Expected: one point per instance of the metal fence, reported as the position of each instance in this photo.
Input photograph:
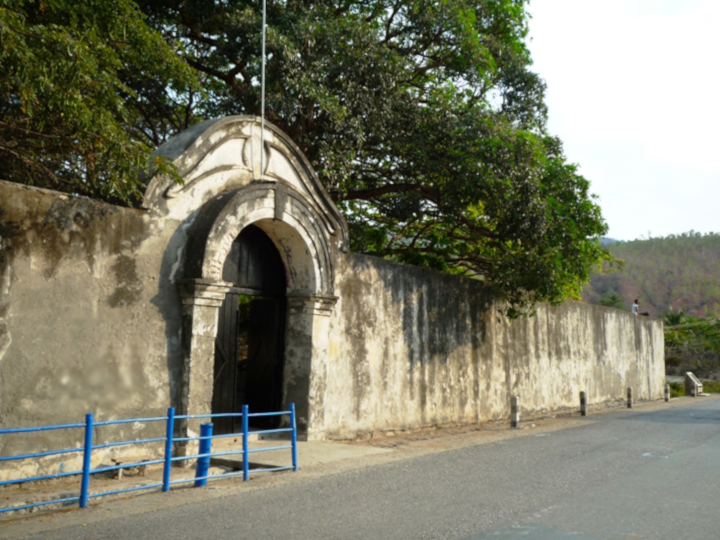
(203, 456)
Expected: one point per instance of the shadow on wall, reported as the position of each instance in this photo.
(8, 230)
(169, 304)
(414, 342)
(72, 269)
(440, 312)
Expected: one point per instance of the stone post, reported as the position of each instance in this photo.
(693, 386)
(667, 392)
(306, 357)
(201, 300)
(629, 397)
(583, 404)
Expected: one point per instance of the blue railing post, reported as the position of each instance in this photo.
(246, 454)
(293, 425)
(87, 460)
(169, 433)
(203, 462)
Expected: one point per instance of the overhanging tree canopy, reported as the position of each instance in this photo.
(422, 118)
(68, 104)
(424, 121)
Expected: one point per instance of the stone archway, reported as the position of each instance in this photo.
(223, 194)
(310, 286)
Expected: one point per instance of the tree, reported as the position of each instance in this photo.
(68, 101)
(423, 120)
(692, 341)
(613, 300)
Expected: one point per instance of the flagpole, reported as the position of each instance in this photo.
(262, 95)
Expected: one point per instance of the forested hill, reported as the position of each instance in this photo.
(676, 272)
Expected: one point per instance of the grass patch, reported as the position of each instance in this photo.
(676, 389)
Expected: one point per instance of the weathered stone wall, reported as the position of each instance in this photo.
(89, 318)
(91, 321)
(413, 348)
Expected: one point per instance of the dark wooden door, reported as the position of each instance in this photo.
(225, 372)
(252, 372)
(266, 346)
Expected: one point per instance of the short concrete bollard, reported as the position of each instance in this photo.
(667, 392)
(630, 397)
(514, 412)
(583, 404)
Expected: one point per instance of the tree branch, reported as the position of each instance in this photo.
(364, 194)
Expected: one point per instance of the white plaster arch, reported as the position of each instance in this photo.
(294, 227)
(221, 155)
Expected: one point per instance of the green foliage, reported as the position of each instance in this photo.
(68, 99)
(676, 389)
(422, 118)
(614, 301)
(692, 341)
(424, 121)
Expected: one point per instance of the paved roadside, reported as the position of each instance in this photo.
(317, 460)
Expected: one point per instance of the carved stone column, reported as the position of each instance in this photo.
(306, 353)
(201, 300)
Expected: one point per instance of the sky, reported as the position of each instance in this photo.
(633, 91)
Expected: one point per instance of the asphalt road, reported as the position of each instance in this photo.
(627, 474)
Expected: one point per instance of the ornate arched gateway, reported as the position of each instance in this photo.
(237, 220)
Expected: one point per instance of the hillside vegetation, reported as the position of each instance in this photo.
(671, 274)
(692, 344)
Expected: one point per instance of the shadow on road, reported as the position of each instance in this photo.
(681, 415)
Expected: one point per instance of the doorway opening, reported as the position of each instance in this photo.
(250, 342)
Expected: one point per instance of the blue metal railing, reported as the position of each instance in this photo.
(203, 456)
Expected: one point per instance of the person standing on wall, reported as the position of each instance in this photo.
(636, 309)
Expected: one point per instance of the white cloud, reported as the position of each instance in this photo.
(633, 93)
